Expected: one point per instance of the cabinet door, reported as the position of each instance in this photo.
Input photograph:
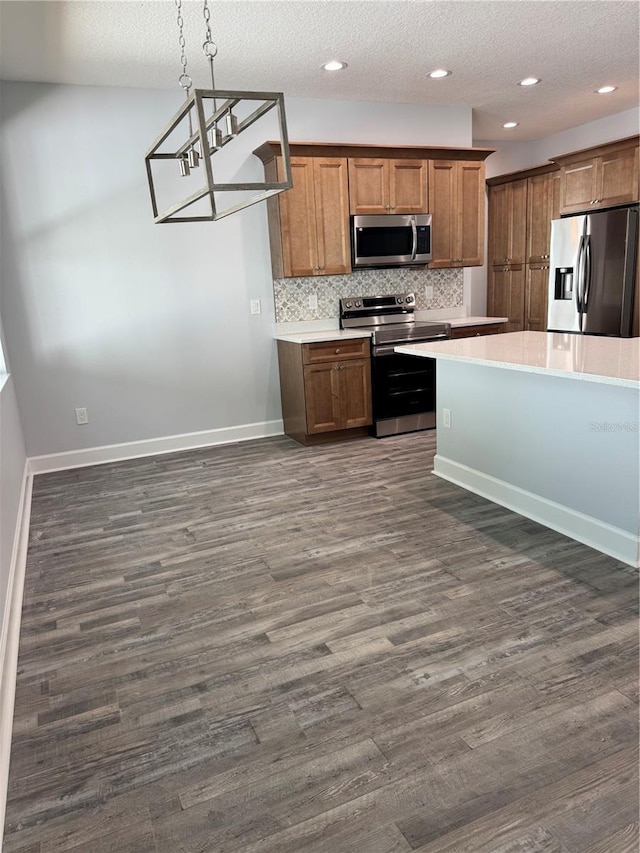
(355, 393)
(407, 186)
(297, 221)
(456, 201)
(443, 207)
(618, 178)
(322, 396)
(517, 222)
(499, 224)
(556, 192)
(579, 186)
(506, 295)
(508, 219)
(516, 298)
(369, 186)
(332, 215)
(469, 214)
(536, 295)
(539, 210)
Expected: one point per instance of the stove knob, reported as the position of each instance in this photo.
(358, 304)
(347, 305)
(399, 300)
(409, 299)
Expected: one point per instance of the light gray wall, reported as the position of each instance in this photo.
(569, 441)
(148, 326)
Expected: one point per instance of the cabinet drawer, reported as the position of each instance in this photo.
(475, 331)
(335, 350)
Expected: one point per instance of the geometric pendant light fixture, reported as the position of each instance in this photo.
(192, 149)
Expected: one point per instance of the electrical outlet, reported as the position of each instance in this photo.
(255, 306)
(313, 302)
(446, 418)
(82, 416)
(428, 291)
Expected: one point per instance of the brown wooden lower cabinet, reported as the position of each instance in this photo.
(505, 295)
(476, 331)
(536, 297)
(325, 389)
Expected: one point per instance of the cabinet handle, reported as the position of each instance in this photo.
(337, 351)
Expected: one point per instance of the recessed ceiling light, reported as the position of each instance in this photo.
(510, 124)
(438, 73)
(529, 81)
(604, 90)
(334, 65)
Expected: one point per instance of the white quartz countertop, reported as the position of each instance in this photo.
(611, 361)
(318, 336)
(456, 322)
(300, 335)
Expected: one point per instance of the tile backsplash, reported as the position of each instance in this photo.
(291, 295)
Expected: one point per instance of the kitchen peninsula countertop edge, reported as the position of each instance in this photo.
(589, 358)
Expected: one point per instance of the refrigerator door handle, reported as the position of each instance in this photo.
(587, 274)
(578, 281)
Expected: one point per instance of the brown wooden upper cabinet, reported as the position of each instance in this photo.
(309, 224)
(387, 186)
(456, 202)
(508, 218)
(543, 205)
(599, 177)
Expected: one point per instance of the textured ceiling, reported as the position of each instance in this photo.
(574, 46)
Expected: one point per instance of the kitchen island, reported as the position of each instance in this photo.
(545, 424)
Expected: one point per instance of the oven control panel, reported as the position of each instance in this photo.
(372, 306)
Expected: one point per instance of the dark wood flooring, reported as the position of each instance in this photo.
(267, 648)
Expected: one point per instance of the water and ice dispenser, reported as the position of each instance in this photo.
(564, 283)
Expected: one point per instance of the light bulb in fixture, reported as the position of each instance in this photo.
(510, 124)
(529, 81)
(604, 90)
(438, 73)
(334, 65)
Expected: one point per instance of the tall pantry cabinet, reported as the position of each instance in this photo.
(521, 208)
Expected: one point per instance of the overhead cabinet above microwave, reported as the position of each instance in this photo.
(379, 186)
(309, 225)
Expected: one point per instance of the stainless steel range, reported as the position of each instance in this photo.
(403, 387)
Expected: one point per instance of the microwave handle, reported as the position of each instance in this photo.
(414, 231)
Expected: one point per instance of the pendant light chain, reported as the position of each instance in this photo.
(184, 81)
(210, 50)
(190, 161)
(209, 47)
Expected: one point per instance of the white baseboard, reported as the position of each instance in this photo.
(152, 447)
(610, 540)
(10, 635)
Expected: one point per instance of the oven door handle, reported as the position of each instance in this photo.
(390, 349)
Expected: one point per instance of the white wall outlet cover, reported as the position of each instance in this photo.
(82, 416)
(446, 418)
(255, 306)
(313, 302)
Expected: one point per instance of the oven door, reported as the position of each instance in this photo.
(404, 392)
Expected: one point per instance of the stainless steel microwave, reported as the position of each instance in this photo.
(390, 240)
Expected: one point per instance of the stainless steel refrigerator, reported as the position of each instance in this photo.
(592, 273)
